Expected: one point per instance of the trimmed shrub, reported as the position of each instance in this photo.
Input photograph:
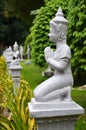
(77, 38)
(38, 38)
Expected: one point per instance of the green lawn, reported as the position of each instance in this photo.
(33, 74)
(79, 96)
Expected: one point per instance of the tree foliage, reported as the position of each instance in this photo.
(75, 12)
(22, 8)
(11, 28)
(40, 29)
(77, 35)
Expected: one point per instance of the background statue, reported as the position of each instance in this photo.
(21, 52)
(8, 54)
(58, 87)
(16, 54)
(28, 52)
(28, 55)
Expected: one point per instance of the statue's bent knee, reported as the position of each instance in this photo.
(38, 96)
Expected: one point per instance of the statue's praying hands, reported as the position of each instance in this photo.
(48, 53)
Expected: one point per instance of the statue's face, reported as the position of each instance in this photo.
(57, 31)
(52, 37)
(54, 31)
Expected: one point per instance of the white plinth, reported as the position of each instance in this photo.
(55, 115)
(8, 63)
(15, 70)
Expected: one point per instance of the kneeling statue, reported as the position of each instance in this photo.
(58, 87)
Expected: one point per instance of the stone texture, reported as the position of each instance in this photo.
(15, 71)
(54, 109)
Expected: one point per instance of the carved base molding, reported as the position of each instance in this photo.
(57, 123)
(55, 115)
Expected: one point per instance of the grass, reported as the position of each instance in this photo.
(79, 96)
(33, 74)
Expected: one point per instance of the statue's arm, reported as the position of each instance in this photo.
(59, 65)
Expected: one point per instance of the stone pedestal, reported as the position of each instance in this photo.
(55, 115)
(8, 63)
(15, 71)
(58, 123)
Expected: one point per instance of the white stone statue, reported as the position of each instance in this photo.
(16, 51)
(8, 54)
(58, 87)
(28, 52)
(21, 52)
(28, 56)
(16, 58)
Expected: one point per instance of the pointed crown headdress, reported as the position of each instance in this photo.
(59, 17)
(15, 45)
